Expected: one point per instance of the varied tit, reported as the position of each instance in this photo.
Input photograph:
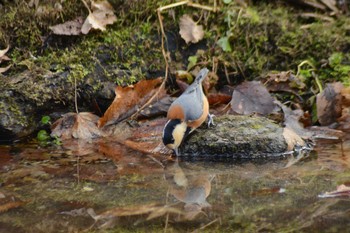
(187, 113)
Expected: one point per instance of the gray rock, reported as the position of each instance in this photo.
(240, 137)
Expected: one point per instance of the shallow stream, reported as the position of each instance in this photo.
(105, 187)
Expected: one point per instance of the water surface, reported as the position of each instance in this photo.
(106, 187)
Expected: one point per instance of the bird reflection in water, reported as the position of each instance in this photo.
(190, 187)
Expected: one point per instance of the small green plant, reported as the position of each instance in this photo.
(44, 137)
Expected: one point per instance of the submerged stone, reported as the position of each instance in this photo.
(237, 137)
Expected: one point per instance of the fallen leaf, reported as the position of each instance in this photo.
(4, 51)
(292, 139)
(189, 30)
(328, 103)
(3, 57)
(252, 97)
(218, 98)
(4, 69)
(79, 126)
(344, 120)
(341, 191)
(129, 99)
(224, 43)
(284, 82)
(72, 27)
(292, 121)
(100, 15)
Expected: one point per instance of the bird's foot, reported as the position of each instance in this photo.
(211, 120)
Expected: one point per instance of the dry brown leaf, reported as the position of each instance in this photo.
(79, 126)
(292, 138)
(344, 120)
(72, 27)
(100, 15)
(4, 51)
(189, 30)
(328, 103)
(4, 69)
(3, 57)
(219, 98)
(129, 99)
(252, 97)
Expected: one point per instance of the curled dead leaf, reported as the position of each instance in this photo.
(79, 126)
(100, 15)
(189, 30)
(3, 52)
(3, 57)
(129, 99)
(329, 103)
(72, 27)
(292, 138)
(252, 97)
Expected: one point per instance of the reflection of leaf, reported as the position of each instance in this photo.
(101, 14)
(129, 99)
(329, 104)
(189, 30)
(10, 205)
(252, 97)
(154, 210)
(72, 27)
(72, 125)
(224, 43)
(342, 191)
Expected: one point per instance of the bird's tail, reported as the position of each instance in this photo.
(201, 75)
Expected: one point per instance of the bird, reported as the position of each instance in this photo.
(187, 113)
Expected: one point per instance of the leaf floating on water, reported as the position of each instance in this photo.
(79, 126)
(72, 27)
(189, 30)
(100, 15)
(341, 191)
(129, 99)
(252, 97)
(329, 103)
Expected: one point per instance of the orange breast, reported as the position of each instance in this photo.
(176, 112)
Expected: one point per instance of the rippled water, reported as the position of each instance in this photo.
(106, 187)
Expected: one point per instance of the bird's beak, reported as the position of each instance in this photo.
(176, 151)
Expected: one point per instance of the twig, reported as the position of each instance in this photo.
(159, 13)
(206, 225)
(75, 95)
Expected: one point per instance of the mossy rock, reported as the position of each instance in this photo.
(237, 137)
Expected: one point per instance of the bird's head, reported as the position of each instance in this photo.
(174, 132)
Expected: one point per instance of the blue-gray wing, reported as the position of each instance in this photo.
(192, 102)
